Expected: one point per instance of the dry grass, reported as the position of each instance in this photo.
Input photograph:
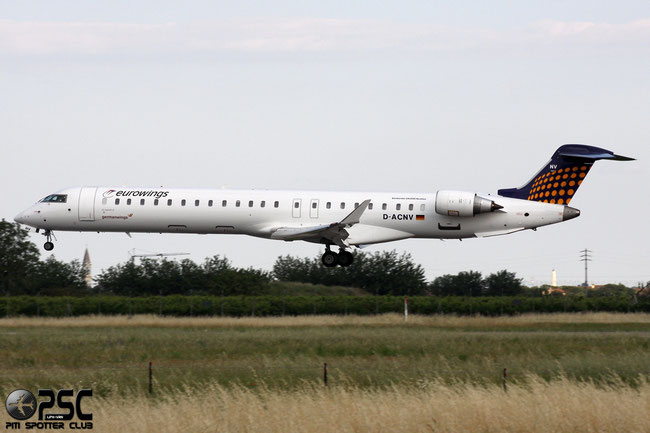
(438, 321)
(536, 406)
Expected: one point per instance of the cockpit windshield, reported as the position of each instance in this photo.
(55, 198)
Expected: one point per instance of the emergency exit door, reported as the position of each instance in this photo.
(313, 208)
(295, 207)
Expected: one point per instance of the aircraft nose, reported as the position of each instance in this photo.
(570, 213)
(20, 218)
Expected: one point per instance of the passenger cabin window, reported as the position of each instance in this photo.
(422, 207)
(141, 202)
(169, 202)
(356, 205)
(155, 202)
(224, 203)
(296, 204)
(183, 202)
(313, 205)
(329, 205)
(342, 205)
(398, 206)
(117, 201)
(411, 207)
(128, 201)
(262, 203)
(209, 203)
(196, 202)
(384, 206)
(55, 198)
(370, 206)
(237, 203)
(250, 203)
(276, 204)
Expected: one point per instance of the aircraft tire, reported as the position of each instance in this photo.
(329, 259)
(49, 246)
(345, 258)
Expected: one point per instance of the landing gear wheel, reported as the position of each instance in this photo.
(49, 246)
(329, 259)
(345, 258)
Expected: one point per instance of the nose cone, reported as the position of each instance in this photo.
(20, 218)
(570, 213)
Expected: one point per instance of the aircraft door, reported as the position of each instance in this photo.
(87, 203)
(295, 207)
(313, 208)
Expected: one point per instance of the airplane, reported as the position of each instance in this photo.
(20, 405)
(341, 219)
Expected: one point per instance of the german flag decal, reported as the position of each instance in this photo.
(419, 217)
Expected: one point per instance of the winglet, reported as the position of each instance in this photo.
(355, 215)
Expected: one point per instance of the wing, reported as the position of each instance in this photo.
(336, 232)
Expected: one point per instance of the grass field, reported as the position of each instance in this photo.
(435, 373)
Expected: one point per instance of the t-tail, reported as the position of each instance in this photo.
(558, 181)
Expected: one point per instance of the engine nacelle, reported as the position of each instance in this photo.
(463, 204)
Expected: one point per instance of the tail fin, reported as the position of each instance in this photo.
(558, 181)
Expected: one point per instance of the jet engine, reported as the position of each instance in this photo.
(463, 204)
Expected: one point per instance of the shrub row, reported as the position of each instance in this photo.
(305, 305)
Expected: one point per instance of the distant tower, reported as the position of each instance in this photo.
(553, 278)
(88, 268)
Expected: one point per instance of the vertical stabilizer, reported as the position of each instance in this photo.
(559, 180)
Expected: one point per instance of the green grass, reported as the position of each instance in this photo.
(110, 359)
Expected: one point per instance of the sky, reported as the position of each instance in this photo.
(362, 96)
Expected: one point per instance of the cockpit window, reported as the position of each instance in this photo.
(55, 198)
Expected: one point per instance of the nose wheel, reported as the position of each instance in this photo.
(49, 245)
(331, 259)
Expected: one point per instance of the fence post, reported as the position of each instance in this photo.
(325, 374)
(150, 379)
(505, 379)
(406, 308)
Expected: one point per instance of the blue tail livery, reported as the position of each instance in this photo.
(558, 181)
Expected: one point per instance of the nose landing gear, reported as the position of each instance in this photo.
(343, 258)
(49, 246)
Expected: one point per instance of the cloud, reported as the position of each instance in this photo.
(296, 35)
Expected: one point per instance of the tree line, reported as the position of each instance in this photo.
(379, 273)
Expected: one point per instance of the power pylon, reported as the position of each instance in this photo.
(585, 256)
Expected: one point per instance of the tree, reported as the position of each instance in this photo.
(462, 284)
(164, 277)
(502, 283)
(19, 257)
(383, 273)
(52, 277)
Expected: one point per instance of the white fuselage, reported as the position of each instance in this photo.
(389, 217)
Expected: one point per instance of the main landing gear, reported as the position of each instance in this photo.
(331, 259)
(49, 246)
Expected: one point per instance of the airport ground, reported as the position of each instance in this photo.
(566, 372)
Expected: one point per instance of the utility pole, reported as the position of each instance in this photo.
(585, 256)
